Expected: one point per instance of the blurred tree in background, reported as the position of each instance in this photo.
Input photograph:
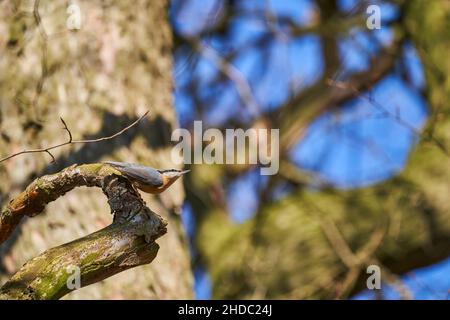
(350, 104)
(363, 177)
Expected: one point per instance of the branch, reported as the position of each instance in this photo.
(71, 141)
(417, 132)
(229, 70)
(302, 109)
(126, 243)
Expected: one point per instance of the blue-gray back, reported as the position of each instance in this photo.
(138, 172)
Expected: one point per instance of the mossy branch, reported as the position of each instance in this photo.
(126, 243)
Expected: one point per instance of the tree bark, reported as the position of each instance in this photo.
(98, 78)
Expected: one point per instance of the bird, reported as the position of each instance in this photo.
(147, 179)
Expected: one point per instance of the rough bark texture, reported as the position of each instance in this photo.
(98, 78)
(316, 244)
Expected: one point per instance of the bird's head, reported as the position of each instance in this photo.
(171, 175)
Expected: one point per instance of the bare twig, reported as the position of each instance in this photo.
(67, 129)
(71, 141)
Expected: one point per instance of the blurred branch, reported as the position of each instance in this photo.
(303, 108)
(416, 197)
(347, 86)
(229, 70)
(71, 141)
(354, 261)
(126, 243)
(329, 40)
(293, 117)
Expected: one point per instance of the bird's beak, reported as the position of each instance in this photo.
(176, 175)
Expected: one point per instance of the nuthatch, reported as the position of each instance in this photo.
(147, 179)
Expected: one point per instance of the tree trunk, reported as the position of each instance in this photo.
(98, 79)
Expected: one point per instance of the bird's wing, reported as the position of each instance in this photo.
(138, 172)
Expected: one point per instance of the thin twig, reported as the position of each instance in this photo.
(67, 129)
(71, 141)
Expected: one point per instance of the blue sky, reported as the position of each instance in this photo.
(364, 143)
